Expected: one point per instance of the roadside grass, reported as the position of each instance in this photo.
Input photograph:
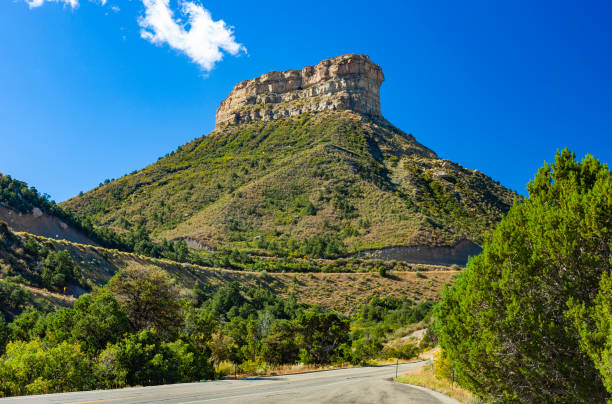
(227, 369)
(425, 377)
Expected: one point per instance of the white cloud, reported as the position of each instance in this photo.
(71, 3)
(200, 38)
(193, 32)
(38, 3)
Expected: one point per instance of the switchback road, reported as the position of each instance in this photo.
(356, 385)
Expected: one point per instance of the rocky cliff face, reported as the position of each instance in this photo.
(348, 82)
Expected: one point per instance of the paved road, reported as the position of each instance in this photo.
(357, 385)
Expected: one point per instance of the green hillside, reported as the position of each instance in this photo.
(320, 184)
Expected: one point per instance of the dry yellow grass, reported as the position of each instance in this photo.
(425, 377)
(340, 291)
(57, 299)
(227, 369)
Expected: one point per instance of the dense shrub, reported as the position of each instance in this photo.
(96, 320)
(5, 333)
(13, 297)
(406, 351)
(146, 359)
(363, 349)
(321, 334)
(35, 367)
(28, 325)
(59, 270)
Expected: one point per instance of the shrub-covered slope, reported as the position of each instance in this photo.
(323, 184)
(45, 266)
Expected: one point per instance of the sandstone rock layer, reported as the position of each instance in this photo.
(348, 82)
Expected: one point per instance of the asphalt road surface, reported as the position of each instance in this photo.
(356, 385)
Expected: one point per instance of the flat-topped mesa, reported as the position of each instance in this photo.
(348, 82)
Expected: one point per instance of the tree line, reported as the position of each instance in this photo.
(139, 330)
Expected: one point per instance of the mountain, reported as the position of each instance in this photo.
(302, 163)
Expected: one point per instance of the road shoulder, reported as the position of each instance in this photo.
(443, 398)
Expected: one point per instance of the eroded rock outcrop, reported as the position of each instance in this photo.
(457, 254)
(348, 82)
(42, 224)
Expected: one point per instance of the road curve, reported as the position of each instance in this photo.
(356, 385)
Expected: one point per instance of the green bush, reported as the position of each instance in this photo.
(280, 345)
(254, 367)
(145, 359)
(321, 334)
(96, 320)
(364, 349)
(5, 333)
(13, 297)
(149, 298)
(109, 373)
(59, 270)
(36, 368)
(28, 325)
(406, 351)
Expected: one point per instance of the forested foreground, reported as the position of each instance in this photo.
(141, 330)
(530, 319)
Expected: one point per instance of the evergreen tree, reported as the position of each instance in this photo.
(505, 324)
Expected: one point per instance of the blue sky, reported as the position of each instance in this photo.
(91, 90)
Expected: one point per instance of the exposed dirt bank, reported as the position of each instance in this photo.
(42, 224)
